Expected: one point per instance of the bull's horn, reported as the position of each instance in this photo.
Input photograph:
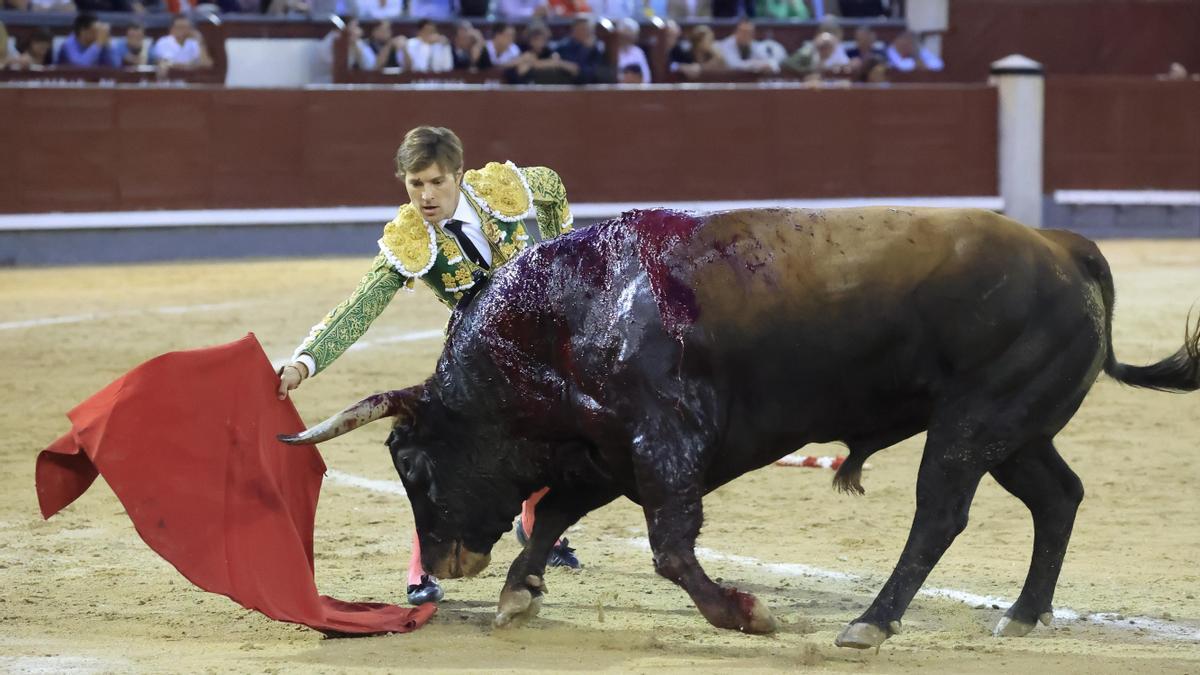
(395, 403)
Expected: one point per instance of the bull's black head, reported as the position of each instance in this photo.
(462, 494)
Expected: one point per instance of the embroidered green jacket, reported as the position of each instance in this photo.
(503, 196)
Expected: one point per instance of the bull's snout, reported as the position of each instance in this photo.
(460, 562)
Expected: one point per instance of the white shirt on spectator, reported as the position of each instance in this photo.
(429, 58)
(374, 10)
(366, 57)
(759, 54)
(509, 54)
(517, 10)
(634, 56)
(167, 48)
(907, 64)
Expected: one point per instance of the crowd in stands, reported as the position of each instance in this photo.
(519, 45)
(91, 44)
(530, 57)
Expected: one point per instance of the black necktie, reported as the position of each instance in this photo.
(455, 227)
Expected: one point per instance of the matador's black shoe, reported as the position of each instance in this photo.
(560, 556)
(563, 556)
(426, 591)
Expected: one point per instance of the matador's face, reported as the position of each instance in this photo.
(434, 191)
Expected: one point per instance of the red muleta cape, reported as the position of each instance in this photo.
(187, 443)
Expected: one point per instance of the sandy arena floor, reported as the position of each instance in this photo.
(83, 593)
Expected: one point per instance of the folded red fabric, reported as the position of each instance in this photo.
(187, 443)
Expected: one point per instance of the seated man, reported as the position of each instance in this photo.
(906, 55)
(37, 52)
(502, 49)
(385, 50)
(429, 51)
(538, 64)
(743, 52)
(629, 54)
(467, 46)
(582, 49)
(88, 44)
(182, 47)
(134, 50)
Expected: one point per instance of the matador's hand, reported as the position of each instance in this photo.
(290, 377)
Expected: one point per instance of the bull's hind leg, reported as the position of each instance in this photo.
(1038, 476)
(951, 469)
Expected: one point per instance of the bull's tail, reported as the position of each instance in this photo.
(395, 403)
(1179, 372)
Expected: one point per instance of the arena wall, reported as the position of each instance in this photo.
(129, 148)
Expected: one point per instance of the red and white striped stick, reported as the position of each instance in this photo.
(811, 462)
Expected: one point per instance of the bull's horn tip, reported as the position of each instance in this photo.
(290, 439)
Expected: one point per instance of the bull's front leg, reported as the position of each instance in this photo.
(670, 489)
(521, 597)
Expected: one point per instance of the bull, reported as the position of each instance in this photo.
(662, 354)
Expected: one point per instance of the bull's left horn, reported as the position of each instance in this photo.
(398, 402)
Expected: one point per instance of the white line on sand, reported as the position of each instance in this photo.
(391, 487)
(98, 316)
(1159, 627)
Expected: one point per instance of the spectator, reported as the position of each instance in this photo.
(689, 9)
(467, 46)
(44, 5)
(819, 57)
(680, 58)
(582, 49)
(568, 8)
(705, 49)
(438, 10)
(866, 45)
(182, 47)
(628, 51)
(619, 9)
(731, 9)
(37, 53)
(380, 10)
(872, 71)
(358, 53)
(520, 10)
(429, 51)
(134, 50)
(87, 45)
(8, 52)
(742, 52)
(539, 64)
(906, 55)
(502, 49)
(387, 51)
(795, 10)
(631, 74)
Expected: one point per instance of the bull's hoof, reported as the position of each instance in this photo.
(1010, 627)
(519, 603)
(862, 636)
(758, 617)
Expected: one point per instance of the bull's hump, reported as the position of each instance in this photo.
(662, 235)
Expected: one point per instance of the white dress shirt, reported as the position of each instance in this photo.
(167, 48)
(375, 10)
(472, 227)
(424, 57)
(506, 57)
